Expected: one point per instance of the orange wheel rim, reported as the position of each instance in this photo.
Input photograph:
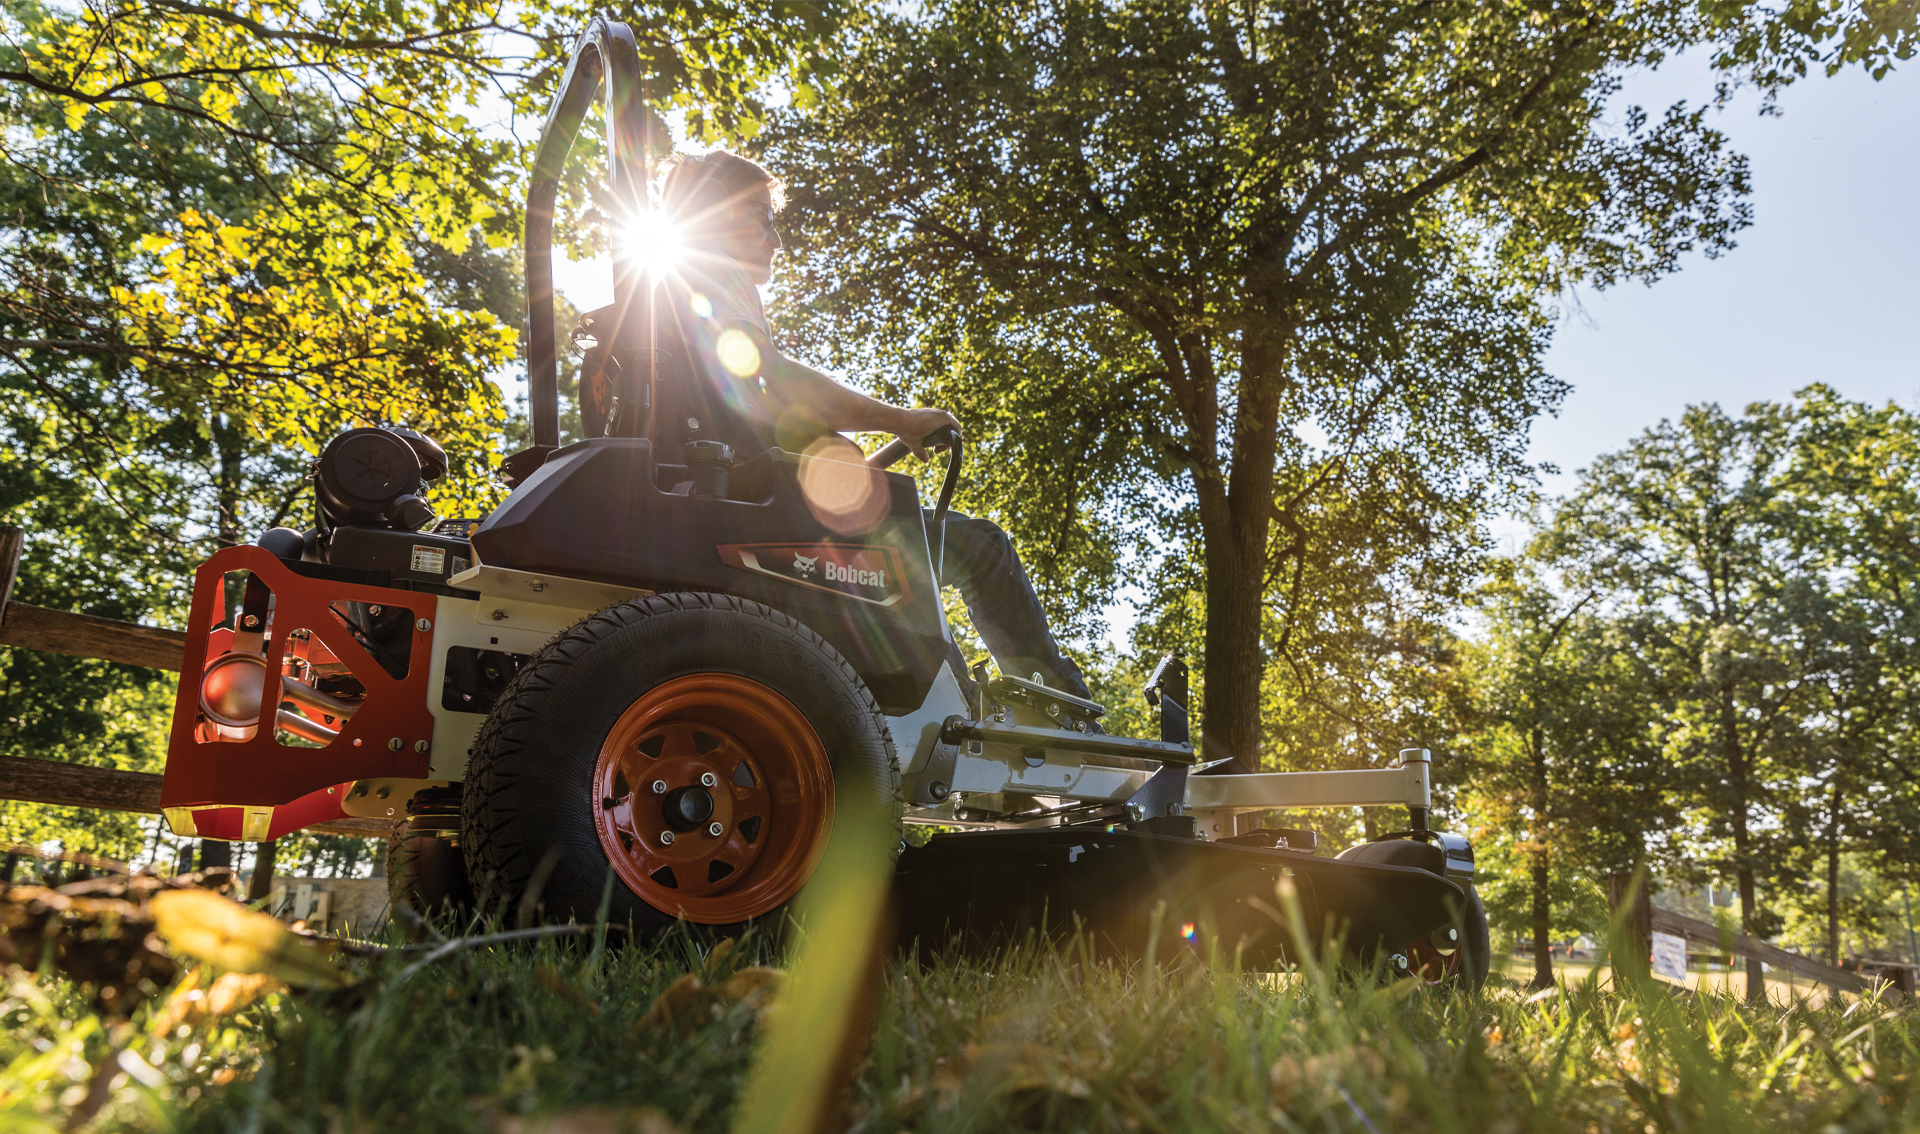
(713, 798)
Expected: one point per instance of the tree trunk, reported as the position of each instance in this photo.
(1540, 866)
(1236, 524)
(1742, 841)
(229, 447)
(263, 862)
(1235, 663)
(1833, 879)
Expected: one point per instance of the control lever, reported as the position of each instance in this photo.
(890, 453)
(946, 437)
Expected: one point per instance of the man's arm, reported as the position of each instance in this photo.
(798, 389)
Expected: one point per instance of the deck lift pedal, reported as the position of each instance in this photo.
(685, 668)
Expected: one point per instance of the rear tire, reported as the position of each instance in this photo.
(610, 760)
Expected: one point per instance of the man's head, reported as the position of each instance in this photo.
(724, 205)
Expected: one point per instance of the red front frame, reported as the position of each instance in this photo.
(222, 782)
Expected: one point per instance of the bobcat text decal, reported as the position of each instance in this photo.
(862, 572)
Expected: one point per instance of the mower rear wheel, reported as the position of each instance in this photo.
(689, 755)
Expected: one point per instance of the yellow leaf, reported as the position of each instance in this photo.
(191, 1005)
(76, 114)
(223, 933)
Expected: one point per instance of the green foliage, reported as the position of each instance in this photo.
(1251, 295)
(1706, 662)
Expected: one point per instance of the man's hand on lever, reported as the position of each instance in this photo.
(916, 425)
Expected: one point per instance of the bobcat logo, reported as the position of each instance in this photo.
(804, 565)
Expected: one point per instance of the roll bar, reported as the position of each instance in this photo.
(606, 51)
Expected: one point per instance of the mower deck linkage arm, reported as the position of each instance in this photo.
(1406, 785)
(958, 730)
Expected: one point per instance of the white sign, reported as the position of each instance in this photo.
(1670, 956)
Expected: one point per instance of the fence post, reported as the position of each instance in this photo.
(12, 541)
(1630, 903)
(264, 855)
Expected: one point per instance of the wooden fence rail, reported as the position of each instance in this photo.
(1693, 929)
(109, 789)
(1628, 896)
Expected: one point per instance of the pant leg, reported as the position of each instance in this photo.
(981, 562)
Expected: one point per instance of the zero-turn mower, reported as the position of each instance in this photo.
(687, 669)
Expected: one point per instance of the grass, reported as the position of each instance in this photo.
(563, 1033)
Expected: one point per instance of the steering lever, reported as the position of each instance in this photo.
(945, 437)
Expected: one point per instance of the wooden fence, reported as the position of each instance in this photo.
(1642, 919)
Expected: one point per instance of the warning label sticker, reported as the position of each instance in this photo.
(429, 560)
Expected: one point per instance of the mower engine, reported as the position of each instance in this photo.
(330, 678)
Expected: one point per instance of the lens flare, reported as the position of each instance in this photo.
(840, 489)
(738, 354)
(1188, 931)
(651, 243)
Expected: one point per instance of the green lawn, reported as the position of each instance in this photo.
(557, 1035)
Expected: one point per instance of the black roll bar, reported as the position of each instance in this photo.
(606, 51)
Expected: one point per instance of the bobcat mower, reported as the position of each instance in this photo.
(687, 669)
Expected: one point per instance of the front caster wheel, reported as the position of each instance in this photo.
(1459, 954)
(691, 755)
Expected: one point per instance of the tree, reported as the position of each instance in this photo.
(1848, 497)
(1566, 761)
(1267, 280)
(1683, 532)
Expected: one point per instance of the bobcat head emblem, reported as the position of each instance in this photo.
(804, 565)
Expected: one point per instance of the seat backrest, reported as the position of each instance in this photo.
(695, 398)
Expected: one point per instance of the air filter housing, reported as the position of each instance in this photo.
(374, 477)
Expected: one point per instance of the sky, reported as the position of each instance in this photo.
(1821, 288)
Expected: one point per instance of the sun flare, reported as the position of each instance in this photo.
(651, 243)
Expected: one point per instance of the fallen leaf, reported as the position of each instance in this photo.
(556, 982)
(227, 935)
(193, 1006)
(688, 1004)
(98, 933)
(1290, 1075)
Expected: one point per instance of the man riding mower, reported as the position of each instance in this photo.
(689, 650)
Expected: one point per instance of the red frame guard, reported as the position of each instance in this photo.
(241, 780)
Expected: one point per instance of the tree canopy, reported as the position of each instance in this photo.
(1273, 280)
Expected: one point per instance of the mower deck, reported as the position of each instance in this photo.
(1130, 892)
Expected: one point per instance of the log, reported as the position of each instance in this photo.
(110, 789)
(85, 636)
(1692, 928)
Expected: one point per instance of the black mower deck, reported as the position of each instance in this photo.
(982, 889)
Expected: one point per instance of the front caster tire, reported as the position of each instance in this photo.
(689, 755)
(1459, 955)
(428, 874)
(426, 869)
